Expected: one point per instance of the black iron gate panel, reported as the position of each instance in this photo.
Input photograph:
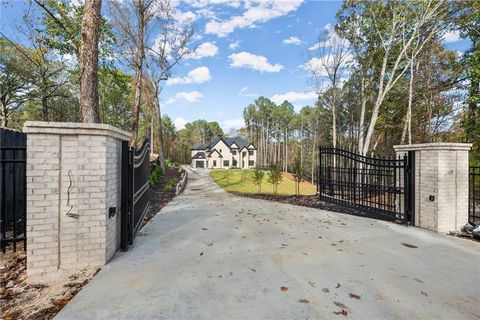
(13, 186)
(377, 187)
(135, 190)
(474, 195)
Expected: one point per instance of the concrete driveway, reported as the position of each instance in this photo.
(212, 255)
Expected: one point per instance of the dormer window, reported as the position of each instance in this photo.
(234, 152)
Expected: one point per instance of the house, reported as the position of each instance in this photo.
(224, 153)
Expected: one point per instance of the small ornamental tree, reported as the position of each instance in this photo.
(275, 176)
(297, 175)
(258, 175)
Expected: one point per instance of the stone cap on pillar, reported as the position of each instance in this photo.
(434, 146)
(75, 128)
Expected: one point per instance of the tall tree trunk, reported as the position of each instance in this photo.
(362, 114)
(286, 149)
(138, 66)
(410, 95)
(161, 154)
(88, 60)
(3, 118)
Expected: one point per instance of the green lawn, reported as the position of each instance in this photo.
(238, 180)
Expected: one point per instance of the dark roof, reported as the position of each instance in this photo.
(229, 141)
(200, 146)
(199, 155)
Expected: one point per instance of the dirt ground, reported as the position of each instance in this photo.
(23, 297)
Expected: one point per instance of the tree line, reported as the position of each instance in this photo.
(73, 64)
(382, 76)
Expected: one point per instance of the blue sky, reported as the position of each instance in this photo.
(245, 49)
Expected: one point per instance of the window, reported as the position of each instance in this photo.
(250, 153)
(225, 163)
(214, 163)
(234, 163)
(244, 154)
(220, 150)
(251, 163)
(234, 152)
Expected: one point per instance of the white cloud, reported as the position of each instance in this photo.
(205, 3)
(317, 64)
(243, 93)
(329, 37)
(292, 40)
(198, 75)
(252, 61)
(188, 96)
(206, 49)
(234, 45)
(180, 123)
(451, 36)
(233, 123)
(186, 16)
(260, 11)
(293, 96)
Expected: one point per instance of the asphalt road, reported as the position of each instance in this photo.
(212, 255)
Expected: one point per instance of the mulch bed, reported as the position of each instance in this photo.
(158, 196)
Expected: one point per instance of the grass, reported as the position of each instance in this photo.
(240, 180)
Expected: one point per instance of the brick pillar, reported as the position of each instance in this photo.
(441, 184)
(73, 178)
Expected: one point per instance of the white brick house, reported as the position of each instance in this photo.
(224, 153)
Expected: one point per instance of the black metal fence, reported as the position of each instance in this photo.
(474, 195)
(377, 187)
(13, 185)
(135, 190)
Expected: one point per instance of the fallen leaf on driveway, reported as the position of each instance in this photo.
(204, 229)
(326, 290)
(338, 285)
(354, 296)
(343, 312)
(303, 301)
(201, 253)
(311, 283)
(284, 289)
(340, 305)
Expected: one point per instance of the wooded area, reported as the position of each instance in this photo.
(382, 74)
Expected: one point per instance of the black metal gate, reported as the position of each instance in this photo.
(13, 186)
(474, 195)
(135, 190)
(381, 188)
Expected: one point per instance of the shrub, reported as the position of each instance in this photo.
(258, 175)
(169, 162)
(155, 176)
(297, 175)
(171, 185)
(275, 176)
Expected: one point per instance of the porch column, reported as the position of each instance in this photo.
(441, 184)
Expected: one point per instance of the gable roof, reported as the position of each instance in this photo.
(200, 146)
(239, 142)
(214, 150)
(199, 155)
